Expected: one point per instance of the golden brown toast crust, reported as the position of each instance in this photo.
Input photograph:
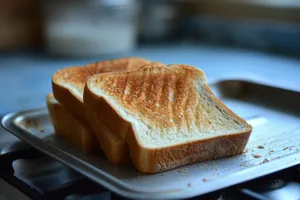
(143, 99)
(114, 147)
(65, 97)
(70, 127)
(78, 76)
(105, 113)
(162, 159)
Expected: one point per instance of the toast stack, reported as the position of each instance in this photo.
(161, 116)
(67, 112)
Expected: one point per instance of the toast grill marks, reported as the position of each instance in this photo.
(155, 112)
(68, 85)
(76, 77)
(163, 98)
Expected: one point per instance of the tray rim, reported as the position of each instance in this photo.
(244, 175)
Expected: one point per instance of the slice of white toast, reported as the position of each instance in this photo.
(172, 116)
(68, 85)
(70, 127)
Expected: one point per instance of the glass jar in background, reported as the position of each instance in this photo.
(88, 28)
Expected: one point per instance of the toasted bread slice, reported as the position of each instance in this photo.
(172, 115)
(70, 127)
(68, 85)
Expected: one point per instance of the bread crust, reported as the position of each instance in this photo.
(150, 161)
(67, 99)
(114, 147)
(70, 127)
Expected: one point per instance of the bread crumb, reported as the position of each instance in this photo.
(161, 174)
(179, 170)
(265, 161)
(272, 151)
(42, 131)
(204, 179)
(189, 184)
(261, 147)
(285, 148)
(256, 156)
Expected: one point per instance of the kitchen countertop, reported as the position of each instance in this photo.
(26, 77)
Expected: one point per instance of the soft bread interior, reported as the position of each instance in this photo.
(167, 105)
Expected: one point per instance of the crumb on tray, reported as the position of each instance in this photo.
(42, 131)
(204, 179)
(265, 161)
(260, 147)
(180, 170)
(285, 148)
(256, 156)
(189, 184)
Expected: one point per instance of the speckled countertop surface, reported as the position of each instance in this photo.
(26, 78)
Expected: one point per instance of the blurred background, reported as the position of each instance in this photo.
(37, 37)
(87, 28)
